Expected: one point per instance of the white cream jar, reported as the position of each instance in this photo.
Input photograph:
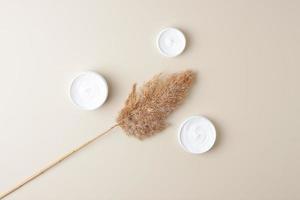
(89, 90)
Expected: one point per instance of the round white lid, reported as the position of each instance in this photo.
(89, 90)
(171, 42)
(197, 135)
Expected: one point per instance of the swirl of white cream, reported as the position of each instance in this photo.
(89, 90)
(197, 134)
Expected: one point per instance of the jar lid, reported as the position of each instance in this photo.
(89, 90)
(197, 134)
(171, 42)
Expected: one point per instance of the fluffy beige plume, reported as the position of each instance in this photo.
(145, 111)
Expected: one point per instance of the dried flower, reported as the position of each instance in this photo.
(145, 111)
(143, 115)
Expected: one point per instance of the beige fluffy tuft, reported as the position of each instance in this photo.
(145, 111)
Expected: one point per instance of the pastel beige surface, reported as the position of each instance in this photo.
(246, 54)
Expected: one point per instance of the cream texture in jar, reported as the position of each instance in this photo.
(171, 42)
(197, 134)
(89, 90)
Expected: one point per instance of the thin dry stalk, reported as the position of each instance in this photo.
(144, 114)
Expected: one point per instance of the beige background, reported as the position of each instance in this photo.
(246, 54)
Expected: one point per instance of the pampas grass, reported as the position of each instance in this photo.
(144, 114)
(145, 111)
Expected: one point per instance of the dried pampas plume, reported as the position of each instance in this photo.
(145, 111)
(144, 114)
